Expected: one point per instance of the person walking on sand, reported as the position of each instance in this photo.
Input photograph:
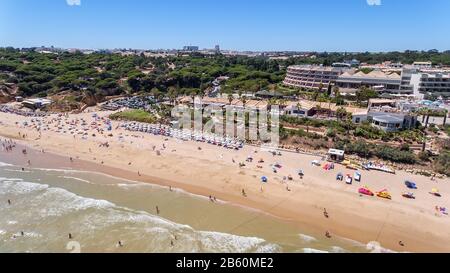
(120, 244)
(328, 235)
(243, 193)
(157, 210)
(325, 213)
(70, 236)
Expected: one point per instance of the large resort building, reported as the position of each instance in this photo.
(377, 80)
(312, 77)
(417, 80)
(437, 84)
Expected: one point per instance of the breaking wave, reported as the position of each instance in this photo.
(55, 211)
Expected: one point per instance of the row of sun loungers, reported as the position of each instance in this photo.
(185, 135)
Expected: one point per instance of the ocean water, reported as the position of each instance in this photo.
(99, 211)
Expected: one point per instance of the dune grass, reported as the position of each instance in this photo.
(134, 115)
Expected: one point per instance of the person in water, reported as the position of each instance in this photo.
(9, 202)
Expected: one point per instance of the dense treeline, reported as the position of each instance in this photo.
(112, 74)
(407, 57)
(102, 74)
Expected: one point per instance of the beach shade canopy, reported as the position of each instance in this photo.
(264, 179)
(435, 192)
(315, 162)
(410, 185)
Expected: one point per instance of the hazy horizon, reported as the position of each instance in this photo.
(288, 25)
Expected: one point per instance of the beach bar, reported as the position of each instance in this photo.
(335, 155)
(36, 103)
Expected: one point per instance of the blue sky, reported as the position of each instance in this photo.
(320, 25)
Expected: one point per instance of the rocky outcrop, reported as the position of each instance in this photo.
(89, 100)
(7, 92)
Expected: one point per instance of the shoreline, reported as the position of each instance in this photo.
(202, 174)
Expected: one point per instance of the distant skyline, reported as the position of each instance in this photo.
(254, 25)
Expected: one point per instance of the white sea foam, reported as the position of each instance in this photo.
(48, 205)
(20, 187)
(10, 179)
(375, 247)
(17, 171)
(55, 197)
(30, 234)
(3, 164)
(313, 250)
(77, 179)
(307, 238)
(337, 249)
(222, 242)
(158, 230)
(59, 170)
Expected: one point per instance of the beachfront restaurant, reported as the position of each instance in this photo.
(298, 110)
(336, 155)
(36, 103)
(391, 122)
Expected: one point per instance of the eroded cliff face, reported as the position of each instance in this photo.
(7, 92)
(89, 100)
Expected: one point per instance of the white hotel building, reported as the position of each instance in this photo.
(411, 80)
(437, 84)
(312, 76)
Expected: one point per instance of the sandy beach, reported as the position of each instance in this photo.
(215, 171)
